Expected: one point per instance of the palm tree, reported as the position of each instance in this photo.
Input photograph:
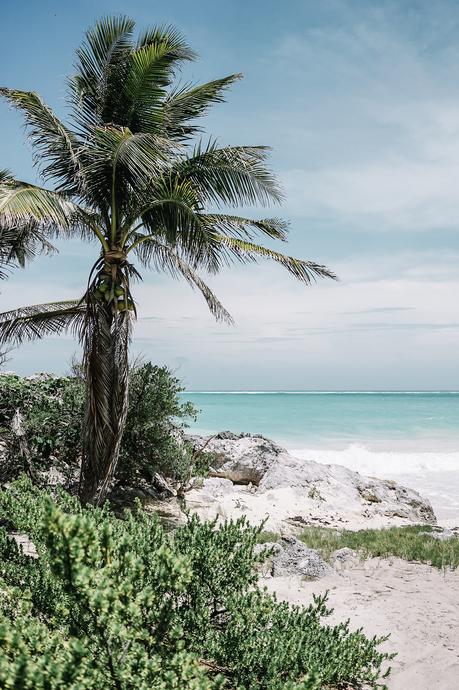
(129, 173)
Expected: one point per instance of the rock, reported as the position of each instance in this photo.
(209, 499)
(294, 558)
(257, 478)
(345, 489)
(267, 546)
(54, 477)
(399, 501)
(41, 376)
(25, 545)
(242, 458)
(266, 567)
(291, 557)
(59, 474)
(343, 555)
(162, 486)
(367, 495)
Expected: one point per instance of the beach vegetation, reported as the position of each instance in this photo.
(416, 543)
(116, 603)
(267, 537)
(40, 424)
(41, 420)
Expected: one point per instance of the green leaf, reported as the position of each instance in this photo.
(56, 147)
(38, 321)
(305, 271)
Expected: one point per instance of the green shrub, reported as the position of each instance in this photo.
(51, 410)
(412, 543)
(156, 414)
(117, 604)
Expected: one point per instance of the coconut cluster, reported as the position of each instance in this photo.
(108, 291)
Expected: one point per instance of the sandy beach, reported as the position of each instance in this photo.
(417, 604)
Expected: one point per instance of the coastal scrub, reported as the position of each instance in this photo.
(118, 604)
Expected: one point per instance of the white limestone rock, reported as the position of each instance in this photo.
(254, 476)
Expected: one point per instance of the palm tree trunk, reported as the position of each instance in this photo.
(106, 343)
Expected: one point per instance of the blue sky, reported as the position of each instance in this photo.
(360, 102)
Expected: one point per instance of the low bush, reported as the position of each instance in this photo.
(117, 604)
(155, 417)
(40, 423)
(412, 543)
(50, 410)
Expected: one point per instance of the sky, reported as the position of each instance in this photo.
(360, 102)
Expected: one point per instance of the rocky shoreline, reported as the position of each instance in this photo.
(254, 477)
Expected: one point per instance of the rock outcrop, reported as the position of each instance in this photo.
(289, 556)
(243, 459)
(255, 477)
(294, 558)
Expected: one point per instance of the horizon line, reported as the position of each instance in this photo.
(329, 391)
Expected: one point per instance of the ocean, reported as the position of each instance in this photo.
(410, 436)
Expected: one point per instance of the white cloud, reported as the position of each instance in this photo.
(394, 317)
(397, 193)
(374, 125)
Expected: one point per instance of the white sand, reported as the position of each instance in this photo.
(417, 604)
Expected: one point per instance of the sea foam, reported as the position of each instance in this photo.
(360, 458)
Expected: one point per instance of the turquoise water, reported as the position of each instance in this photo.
(422, 421)
(412, 437)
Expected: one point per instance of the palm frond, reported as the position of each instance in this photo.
(166, 192)
(305, 271)
(18, 243)
(100, 69)
(41, 320)
(237, 226)
(165, 258)
(43, 211)
(5, 176)
(147, 76)
(21, 244)
(53, 141)
(232, 176)
(120, 161)
(167, 34)
(20, 202)
(171, 215)
(185, 104)
(149, 72)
